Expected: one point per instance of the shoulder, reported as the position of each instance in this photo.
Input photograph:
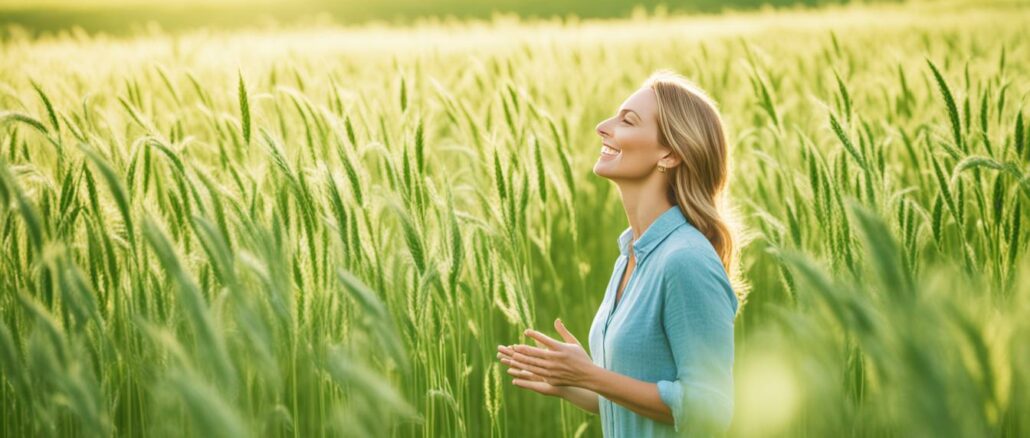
(686, 249)
(691, 269)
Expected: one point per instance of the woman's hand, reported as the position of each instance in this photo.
(526, 379)
(561, 364)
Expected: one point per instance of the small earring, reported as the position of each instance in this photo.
(661, 168)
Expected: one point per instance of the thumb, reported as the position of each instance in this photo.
(564, 332)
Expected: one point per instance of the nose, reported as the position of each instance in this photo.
(602, 128)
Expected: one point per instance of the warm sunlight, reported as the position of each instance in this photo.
(768, 394)
(515, 218)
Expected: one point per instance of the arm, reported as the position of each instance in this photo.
(697, 314)
(636, 395)
(698, 310)
(639, 396)
(583, 398)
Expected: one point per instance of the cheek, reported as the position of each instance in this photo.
(636, 142)
(624, 140)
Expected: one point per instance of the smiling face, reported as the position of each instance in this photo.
(630, 147)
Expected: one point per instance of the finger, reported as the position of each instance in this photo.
(527, 374)
(532, 360)
(512, 364)
(521, 373)
(505, 351)
(546, 340)
(535, 369)
(540, 387)
(564, 332)
(535, 352)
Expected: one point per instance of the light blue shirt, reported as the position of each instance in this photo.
(673, 325)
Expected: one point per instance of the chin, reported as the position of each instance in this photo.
(619, 173)
(600, 171)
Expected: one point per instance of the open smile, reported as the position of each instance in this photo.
(608, 150)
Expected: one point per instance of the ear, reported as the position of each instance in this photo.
(670, 159)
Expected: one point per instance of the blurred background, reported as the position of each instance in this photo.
(123, 16)
(272, 218)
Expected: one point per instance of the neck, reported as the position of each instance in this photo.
(644, 201)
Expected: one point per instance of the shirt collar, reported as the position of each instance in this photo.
(662, 226)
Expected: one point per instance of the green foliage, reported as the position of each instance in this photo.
(328, 249)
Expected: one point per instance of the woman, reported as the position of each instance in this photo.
(661, 342)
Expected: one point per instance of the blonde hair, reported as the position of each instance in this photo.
(690, 124)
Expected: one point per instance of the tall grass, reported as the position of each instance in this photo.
(328, 234)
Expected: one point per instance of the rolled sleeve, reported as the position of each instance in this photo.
(698, 309)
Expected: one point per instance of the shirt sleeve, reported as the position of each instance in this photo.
(698, 309)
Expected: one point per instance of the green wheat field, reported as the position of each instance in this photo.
(326, 230)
